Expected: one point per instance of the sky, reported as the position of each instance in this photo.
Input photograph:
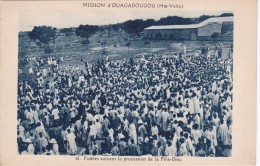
(71, 18)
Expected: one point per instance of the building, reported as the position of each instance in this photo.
(217, 28)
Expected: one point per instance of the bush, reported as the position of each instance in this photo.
(48, 50)
(85, 42)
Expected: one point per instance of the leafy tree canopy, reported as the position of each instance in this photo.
(174, 20)
(86, 31)
(136, 26)
(44, 34)
(226, 14)
(67, 31)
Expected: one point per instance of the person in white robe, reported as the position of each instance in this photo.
(191, 105)
(55, 146)
(183, 148)
(196, 105)
(92, 132)
(98, 127)
(223, 132)
(165, 117)
(30, 148)
(111, 134)
(69, 82)
(154, 130)
(72, 147)
(189, 145)
(132, 132)
(170, 150)
(31, 70)
(196, 133)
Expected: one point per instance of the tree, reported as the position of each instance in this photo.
(67, 31)
(43, 34)
(174, 20)
(148, 22)
(115, 27)
(133, 26)
(86, 31)
(203, 18)
(226, 15)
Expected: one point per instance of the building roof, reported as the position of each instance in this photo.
(193, 26)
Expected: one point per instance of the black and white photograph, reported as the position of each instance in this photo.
(147, 84)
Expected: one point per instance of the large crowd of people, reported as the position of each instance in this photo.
(179, 105)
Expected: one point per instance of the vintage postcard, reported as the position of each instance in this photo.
(128, 82)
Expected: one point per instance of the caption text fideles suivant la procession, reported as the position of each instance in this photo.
(125, 159)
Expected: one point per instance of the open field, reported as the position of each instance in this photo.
(138, 47)
(93, 52)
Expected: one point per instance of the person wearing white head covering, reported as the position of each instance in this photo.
(30, 148)
(21, 132)
(55, 147)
